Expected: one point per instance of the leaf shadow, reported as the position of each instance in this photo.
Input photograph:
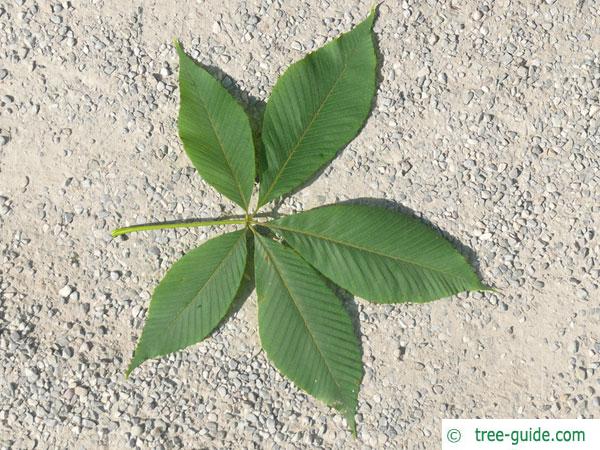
(464, 249)
(244, 291)
(351, 306)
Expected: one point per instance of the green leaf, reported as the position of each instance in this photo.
(317, 107)
(193, 297)
(378, 254)
(304, 328)
(215, 132)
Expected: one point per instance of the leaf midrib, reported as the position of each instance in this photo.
(361, 248)
(221, 146)
(281, 277)
(308, 127)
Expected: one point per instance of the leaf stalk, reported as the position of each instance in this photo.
(170, 225)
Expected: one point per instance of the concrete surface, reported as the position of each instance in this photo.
(486, 123)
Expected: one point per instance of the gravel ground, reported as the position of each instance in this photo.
(486, 123)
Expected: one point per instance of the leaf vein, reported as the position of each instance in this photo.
(358, 247)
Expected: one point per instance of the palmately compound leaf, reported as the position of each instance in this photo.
(215, 132)
(304, 328)
(317, 107)
(378, 254)
(193, 297)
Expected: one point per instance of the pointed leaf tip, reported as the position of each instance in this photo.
(375, 8)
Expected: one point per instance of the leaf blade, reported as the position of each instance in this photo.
(193, 297)
(377, 254)
(303, 131)
(215, 132)
(304, 328)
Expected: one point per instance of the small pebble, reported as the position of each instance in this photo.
(65, 291)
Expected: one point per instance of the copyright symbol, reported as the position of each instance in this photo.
(453, 435)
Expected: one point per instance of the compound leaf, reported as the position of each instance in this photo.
(193, 297)
(215, 132)
(378, 254)
(304, 328)
(317, 106)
